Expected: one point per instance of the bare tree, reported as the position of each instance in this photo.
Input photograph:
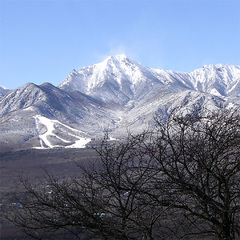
(180, 181)
(113, 198)
(199, 158)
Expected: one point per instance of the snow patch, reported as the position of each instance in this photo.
(52, 131)
(214, 91)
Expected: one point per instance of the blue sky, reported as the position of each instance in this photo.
(43, 40)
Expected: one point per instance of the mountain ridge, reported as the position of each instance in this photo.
(125, 70)
(118, 94)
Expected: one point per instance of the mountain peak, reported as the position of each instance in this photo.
(116, 59)
(119, 57)
(118, 75)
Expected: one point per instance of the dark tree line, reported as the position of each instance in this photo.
(179, 181)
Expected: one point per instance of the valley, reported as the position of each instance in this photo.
(33, 165)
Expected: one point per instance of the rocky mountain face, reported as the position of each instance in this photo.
(118, 94)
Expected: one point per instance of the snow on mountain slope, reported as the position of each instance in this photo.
(140, 115)
(114, 69)
(49, 101)
(117, 79)
(57, 134)
(23, 97)
(118, 94)
(74, 109)
(220, 79)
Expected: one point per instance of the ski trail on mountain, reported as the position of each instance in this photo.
(51, 125)
(37, 130)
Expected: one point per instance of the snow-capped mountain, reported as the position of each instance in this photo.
(116, 69)
(116, 80)
(221, 80)
(44, 116)
(117, 94)
(120, 79)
